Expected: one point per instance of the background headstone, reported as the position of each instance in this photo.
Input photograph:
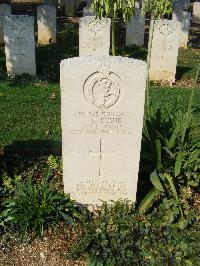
(46, 21)
(135, 29)
(184, 18)
(102, 103)
(5, 10)
(164, 51)
(19, 44)
(94, 36)
(196, 12)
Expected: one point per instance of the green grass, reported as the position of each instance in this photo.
(187, 64)
(29, 117)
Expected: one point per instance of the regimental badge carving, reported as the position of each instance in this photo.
(95, 27)
(102, 88)
(165, 29)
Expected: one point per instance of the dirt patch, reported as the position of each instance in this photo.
(49, 251)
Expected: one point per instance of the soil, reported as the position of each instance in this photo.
(49, 251)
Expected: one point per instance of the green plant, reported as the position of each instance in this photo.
(163, 241)
(114, 8)
(108, 237)
(174, 154)
(37, 207)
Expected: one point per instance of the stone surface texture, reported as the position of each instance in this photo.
(19, 44)
(135, 29)
(46, 21)
(5, 10)
(164, 51)
(102, 107)
(94, 36)
(184, 17)
(196, 12)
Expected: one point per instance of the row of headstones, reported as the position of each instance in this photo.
(17, 32)
(46, 21)
(94, 39)
(136, 27)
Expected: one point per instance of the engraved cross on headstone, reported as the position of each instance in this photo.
(101, 153)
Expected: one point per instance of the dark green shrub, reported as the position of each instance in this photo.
(117, 235)
(170, 156)
(69, 35)
(163, 241)
(36, 207)
(109, 235)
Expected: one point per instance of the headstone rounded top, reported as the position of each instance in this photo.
(102, 58)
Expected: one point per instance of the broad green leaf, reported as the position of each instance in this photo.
(156, 181)
(148, 200)
(158, 154)
(178, 163)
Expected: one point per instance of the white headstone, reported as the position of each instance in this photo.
(164, 51)
(94, 36)
(5, 10)
(46, 21)
(19, 44)
(135, 29)
(69, 7)
(87, 11)
(196, 12)
(102, 120)
(184, 18)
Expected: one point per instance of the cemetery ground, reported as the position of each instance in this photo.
(30, 144)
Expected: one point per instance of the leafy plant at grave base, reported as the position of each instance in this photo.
(169, 148)
(37, 207)
(117, 235)
(158, 9)
(164, 241)
(108, 238)
(114, 8)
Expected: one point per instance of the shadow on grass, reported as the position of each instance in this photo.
(32, 148)
(134, 52)
(181, 71)
(20, 155)
(18, 80)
